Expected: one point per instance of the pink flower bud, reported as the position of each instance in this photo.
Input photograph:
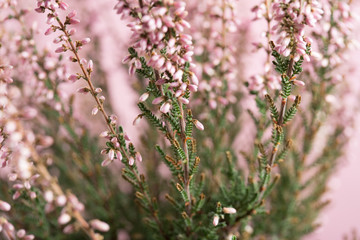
(60, 49)
(21, 233)
(138, 156)
(63, 5)
(178, 75)
(131, 161)
(49, 196)
(229, 210)
(29, 237)
(194, 79)
(90, 66)
(111, 154)
(106, 162)
(94, 111)
(104, 134)
(143, 97)
(61, 200)
(198, 125)
(83, 61)
(73, 77)
(216, 220)
(64, 219)
(69, 229)
(49, 31)
(4, 206)
(99, 225)
(72, 14)
(72, 31)
(126, 59)
(184, 100)
(193, 88)
(118, 155)
(137, 120)
(165, 107)
(83, 90)
(32, 195)
(299, 83)
(158, 100)
(16, 195)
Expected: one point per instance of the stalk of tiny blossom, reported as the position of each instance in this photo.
(74, 47)
(290, 26)
(150, 27)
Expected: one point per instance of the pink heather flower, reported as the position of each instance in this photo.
(85, 41)
(83, 90)
(184, 100)
(131, 161)
(150, 28)
(106, 162)
(64, 219)
(198, 125)
(137, 120)
(111, 154)
(21, 233)
(104, 134)
(4, 206)
(63, 5)
(143, 97)
(229, 210)
(158, 100)
(216, 220)
(72, 31)
(73, 77)
(61, 49)
(90, 66)
(99, 225)
(299, 83)
(95, 110)
(61, 200)
(118, 155)
(138, 156)
(165, 107)
(49, 31)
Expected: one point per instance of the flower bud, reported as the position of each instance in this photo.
(64, 219)
(229, 210)
(143, 97)
(198, 125)
(4, 206)
(216, 220)
(131, 161)
(99, 225)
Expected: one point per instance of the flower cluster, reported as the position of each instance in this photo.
(216, 50)
(290, 18)
(158, 35)
(287, 20)
(9, 231)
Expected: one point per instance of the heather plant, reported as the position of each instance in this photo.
(187, 178)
